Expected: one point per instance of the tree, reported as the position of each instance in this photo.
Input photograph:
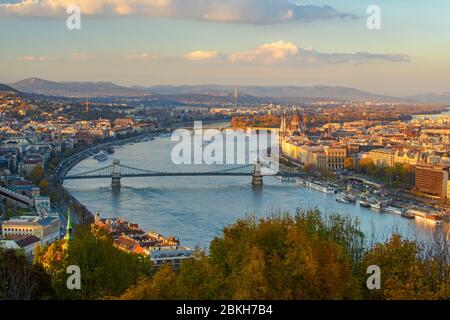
(160, 287)
(281, 256)
(198, 278)
(309, 168)
(349, 163)
(105, 270)
(402, 274)
(37, 174)
(21, 280)
(366, 166)
(43, 186)
(284, 257)
(327, 174)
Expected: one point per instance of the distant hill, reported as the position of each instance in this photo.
(432, 98)
(214, 93)
(5, 88)
(314, 92)
(76, 89)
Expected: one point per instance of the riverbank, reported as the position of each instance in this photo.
(64, 199)
(196, 209)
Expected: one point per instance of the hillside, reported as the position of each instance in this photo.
(75, 89)
(5, 88)
(315, 92)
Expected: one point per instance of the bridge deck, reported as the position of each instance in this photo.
(120, 171)
(184, 174)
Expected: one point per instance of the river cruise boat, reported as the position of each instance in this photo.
(319, 187)
(376, 205)
(101, 156)
(342, 199)
(363, 202)
(287, 179)
(301, 182)
(425, 216)
(394, 210)
(350, 197)
(408, 215)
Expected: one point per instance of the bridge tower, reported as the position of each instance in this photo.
(257, 179)
(116, 175)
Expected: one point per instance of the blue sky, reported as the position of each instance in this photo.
(231, 42)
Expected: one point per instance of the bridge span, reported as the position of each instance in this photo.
(117, 171)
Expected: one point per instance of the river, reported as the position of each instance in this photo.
(195, 209)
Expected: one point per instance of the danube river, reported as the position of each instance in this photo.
(195, 209)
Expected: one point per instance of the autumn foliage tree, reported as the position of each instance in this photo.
(302, 256)
(279, 257)
(305, 256)
(406, 274)
(105, 270)
(349, 163)
(37, 174)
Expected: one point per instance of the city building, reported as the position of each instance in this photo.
(322, 157)
(29, 163)
(335, 158)
(432, 180)
(382, 157)
(130, 238)
(46, 229)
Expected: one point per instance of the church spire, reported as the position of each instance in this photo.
(69, 235)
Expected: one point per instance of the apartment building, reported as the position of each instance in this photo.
(383, 157)
(321, 157)
(432, 180)
(335, 158)
(46, 229)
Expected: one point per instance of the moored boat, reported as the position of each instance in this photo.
(350, 197)
(394, 210)
(431, 218)
(342, 199)
(101, 156)
(376, 205)
(364, 203)
(408, 215)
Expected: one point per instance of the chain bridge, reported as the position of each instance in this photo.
(117, 171)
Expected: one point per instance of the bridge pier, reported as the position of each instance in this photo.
(116, 175)
(257, 178)
(115, 182)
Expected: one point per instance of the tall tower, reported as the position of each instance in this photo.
(235, 97)
(283, 126)
(87, 104)
(69, 228)
(69, 235)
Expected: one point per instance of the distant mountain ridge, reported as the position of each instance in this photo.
(432, 97)
(74, 89)
(287, 94)
(5, 88)
(317, 92)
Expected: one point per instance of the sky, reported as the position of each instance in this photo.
(233, 42)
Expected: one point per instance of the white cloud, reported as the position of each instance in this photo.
(309, 55)
(80, 56)
(281, 51)
(266, 53)
(244, 11)
(29, 58)
(140, 56)
(201, 55)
